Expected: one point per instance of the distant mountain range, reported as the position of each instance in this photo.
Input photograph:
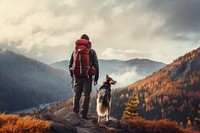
(125, 72)
(172, 92)
(25, 82)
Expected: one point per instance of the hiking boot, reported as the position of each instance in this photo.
(75, 111)
(85, 117)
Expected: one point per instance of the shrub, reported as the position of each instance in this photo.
(161, 126)
(16, 124)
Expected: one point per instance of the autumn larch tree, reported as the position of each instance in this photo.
(131, 109)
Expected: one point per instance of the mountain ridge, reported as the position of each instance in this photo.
(136, 68)
(107, 60)
(26, 82)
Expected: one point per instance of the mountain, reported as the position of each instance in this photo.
(172, 92)
(25, 82)
(125, 72)
(60, 64)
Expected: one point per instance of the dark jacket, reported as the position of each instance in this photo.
(93, 60)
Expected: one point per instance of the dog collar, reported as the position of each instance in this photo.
(106, 84)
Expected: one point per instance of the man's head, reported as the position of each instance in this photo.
(86, 37)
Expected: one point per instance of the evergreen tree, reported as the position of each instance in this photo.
(131, 109)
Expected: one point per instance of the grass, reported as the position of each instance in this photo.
(16, 124)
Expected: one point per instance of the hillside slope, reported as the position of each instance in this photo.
(25, 82)
(173, 92)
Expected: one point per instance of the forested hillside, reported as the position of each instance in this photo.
(173, 92)
(25, 82)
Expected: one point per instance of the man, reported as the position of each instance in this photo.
(83, 66)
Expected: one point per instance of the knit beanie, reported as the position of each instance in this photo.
(86, 37)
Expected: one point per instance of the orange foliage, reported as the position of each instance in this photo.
(162, 79)
(162, 126)
(170, 89)
(16, 124)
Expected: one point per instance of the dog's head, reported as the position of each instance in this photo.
(110, 80)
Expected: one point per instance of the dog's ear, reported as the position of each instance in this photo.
(107, 77)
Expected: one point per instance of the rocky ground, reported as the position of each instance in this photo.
(65, 121)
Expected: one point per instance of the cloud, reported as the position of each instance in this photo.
(181, 18)
(120, 54)
(126, 77)
(47, 29)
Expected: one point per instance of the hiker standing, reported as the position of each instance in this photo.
(83, 66)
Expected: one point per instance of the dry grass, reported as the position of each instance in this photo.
(16, 124)
(161, 126)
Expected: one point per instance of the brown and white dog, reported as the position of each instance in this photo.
(104, 99)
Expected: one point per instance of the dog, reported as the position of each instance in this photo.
(104, 99)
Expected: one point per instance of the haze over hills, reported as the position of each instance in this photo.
(173, 92)
(25, 82)
(125, 72)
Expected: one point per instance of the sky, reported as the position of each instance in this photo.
(160, 30)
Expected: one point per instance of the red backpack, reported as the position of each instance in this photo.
(81, 63)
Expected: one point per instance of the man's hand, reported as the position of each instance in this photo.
(95, 82)
(71, 72)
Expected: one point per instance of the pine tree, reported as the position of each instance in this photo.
(131, 109)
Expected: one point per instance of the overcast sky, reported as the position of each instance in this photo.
(46, 30)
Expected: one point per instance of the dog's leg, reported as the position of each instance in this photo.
(99, 119)
(107, 117)
(107, 114)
